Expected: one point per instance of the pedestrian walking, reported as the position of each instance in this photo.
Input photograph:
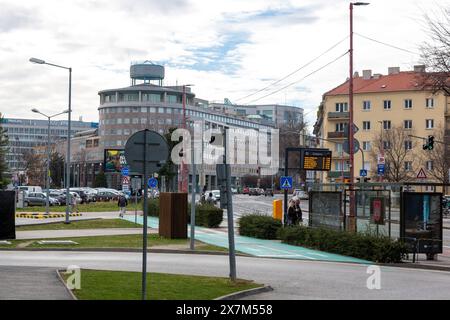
(210, 200)
(292, 216)
(298, 210)
(122, 203)
(73, 202)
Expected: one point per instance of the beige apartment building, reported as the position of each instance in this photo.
(387, 110)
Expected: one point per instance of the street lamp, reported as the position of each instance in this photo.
(47, 170)
(183, 186)
(40, 61)
(350, 98)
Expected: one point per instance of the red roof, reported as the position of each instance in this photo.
(402, 81)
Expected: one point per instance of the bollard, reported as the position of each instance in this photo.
(277, 209)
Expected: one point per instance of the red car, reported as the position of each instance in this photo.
(245, 190)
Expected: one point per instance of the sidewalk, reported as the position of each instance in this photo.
(31, 283)
(53, 234)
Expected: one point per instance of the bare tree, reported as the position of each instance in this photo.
(394, 142)
(34, 168)
(435, 53)
(439, 157)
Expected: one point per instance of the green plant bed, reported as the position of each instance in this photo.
(259, 226)
(119, 285)
(107, 206)
(363, 246)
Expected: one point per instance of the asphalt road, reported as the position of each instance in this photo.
(291, 279)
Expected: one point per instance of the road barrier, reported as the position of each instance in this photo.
(45, 216)
(277, 209)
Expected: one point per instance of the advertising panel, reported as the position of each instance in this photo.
(114, 160)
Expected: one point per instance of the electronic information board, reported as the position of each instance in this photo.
(316, 159)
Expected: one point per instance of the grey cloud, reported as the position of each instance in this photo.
(13, 17)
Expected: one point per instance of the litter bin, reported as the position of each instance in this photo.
(173, 215)
(7, 215)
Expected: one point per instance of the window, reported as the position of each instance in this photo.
(386, 145)
(338, 148)
(152, 109)
(119, 120)
(340, 127)
(135, 109)
(341, 107)
(126, 121)
(386, 124)
(408, 166)
(143, 109)
(132, 97)
(407, 124)
(429, 165)
(429, 123)
(366, 146)
(171, 98)
(135, 120)
(366, 105)
(366, 125)
(367, 165)
(160, 110)
(429, 103)
(151, 97)
(387, 104)
(143, 120)
(408, 145)
(408, 104)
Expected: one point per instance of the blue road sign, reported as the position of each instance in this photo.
(286, 182)
(125, 171)
(380, 169)
(152, 183)
(363, 173)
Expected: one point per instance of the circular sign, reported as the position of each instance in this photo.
(346, 146)
(152, 183)
(155, 156)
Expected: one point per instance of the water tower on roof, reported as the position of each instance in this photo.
(146, 71)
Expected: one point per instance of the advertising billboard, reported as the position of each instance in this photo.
(114, 160)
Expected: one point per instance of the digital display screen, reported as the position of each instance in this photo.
(114, 160)
(316, 159)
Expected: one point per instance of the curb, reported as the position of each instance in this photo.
(417, 266)
(18, 226)
(245, 293)
(175, 251)
(64, 284)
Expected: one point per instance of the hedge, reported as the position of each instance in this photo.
(259, 226)
(205, 215)
(362, 246)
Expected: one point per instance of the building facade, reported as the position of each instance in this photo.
(26, 134)
(390, 113)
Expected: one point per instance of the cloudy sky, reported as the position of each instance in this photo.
(227, 48)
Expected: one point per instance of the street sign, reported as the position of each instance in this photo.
(125, 180)
(355, 130)
(136, 183)
(380, 169)
(363, 173)
(125, 171)
(152, 183)
(286, 182)
(346, 146)
(381, 159)
(421, 174)
(125, 187)
(156, 155)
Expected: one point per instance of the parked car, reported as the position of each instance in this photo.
(39, 199)
(61, 197)
(234, 190)
(82, 194)
(300, 194)
(106, 196)
(253, 192)
(77, 196)
(245, 190)
(268, 192)
(30, 188)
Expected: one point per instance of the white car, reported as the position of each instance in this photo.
(300, 194)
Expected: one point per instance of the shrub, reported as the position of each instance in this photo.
(207, 215)
(153, 207)
(259, 226)
(363, 246)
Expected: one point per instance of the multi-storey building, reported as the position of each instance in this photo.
(382, 104)
(26, 134)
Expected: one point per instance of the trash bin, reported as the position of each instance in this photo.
(173, 215)
(7, 215)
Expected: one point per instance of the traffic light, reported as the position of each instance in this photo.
(429, 144)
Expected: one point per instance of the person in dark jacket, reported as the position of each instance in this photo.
(292, 215)
(122, 203)
(298, 210)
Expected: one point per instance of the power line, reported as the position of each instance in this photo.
(297, 81)
(386, 44)
(295, 71)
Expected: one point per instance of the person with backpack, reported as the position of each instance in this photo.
(122, 203)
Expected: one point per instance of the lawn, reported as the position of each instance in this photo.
(81, 224)
(118, 285)
(89, 207)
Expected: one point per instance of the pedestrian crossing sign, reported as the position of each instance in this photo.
(286, 182)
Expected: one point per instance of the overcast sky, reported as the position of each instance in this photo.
(227, 48)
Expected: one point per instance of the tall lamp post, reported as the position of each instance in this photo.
(47, 169)
(183, 186)
(350, 98)
(39, 61)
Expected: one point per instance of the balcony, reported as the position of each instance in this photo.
(336, 135)
(338, 115)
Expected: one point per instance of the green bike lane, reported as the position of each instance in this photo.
(257, 247)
